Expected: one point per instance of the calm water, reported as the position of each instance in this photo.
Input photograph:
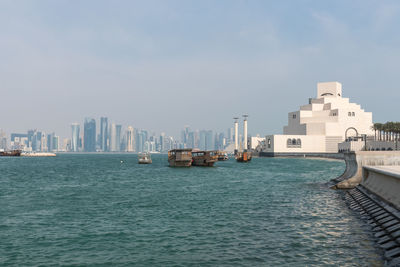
(95, 210)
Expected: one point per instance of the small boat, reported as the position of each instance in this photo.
(243, 156)
(11, 153)
(204, 158)
(144, 158)
(180, 157)
(222, 155)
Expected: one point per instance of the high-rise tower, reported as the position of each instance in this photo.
(75, 127)
(89, 135)
(130, 139)
(103, 133)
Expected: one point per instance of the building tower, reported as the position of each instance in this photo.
(75, 137)
(103, 133)
(129, 139)
(245, 132)
(236, 133)
(89, 135)
(118, 131)
(113, 138)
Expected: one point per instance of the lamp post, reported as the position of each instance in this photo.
(236, 134)
(365, 141)
(245, 131)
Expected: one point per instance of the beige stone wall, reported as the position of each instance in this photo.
(309, 144)
(383, 181)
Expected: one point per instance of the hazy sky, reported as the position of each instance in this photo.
(164, 64)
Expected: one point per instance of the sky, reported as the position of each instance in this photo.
(161, 65)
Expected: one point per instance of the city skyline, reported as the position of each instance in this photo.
(103, 135)
(154, 64)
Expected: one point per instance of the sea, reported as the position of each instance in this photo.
(107, 210)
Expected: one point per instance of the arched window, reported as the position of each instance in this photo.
(293, 143)
(269, 143)
(299, 142)
(349, 114)
(327, 94)
(353, 114)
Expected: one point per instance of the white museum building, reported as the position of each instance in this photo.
(321, 125)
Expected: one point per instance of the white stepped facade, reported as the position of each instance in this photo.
(319, 126)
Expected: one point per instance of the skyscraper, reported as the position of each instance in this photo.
(210, 140)
(130, 139)
(113, 134)
(75, 127)
(50, 142)
(191, 140)
(43, 142)
(202, 141)
(103, 133)
(162, 142)
(89, 135)
(3, 140)
(56, 141)
(115, 137)
(118, 137)
(141, 137)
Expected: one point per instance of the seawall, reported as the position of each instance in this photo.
(383, 181)
(352, 176)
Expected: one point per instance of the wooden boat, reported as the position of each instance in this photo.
(11, 153)
(180, 157)
(144, 158)
(243, 156)
(204, 158)
(222, 155)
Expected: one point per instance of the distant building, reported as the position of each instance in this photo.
(43, 142)
(118, 137)
(321, 125)
(230, 135)
(115, 137)
(32, 139)
(35, 140)
(66, 145)
(56, 143)
(141, 137)
(75, 128)
(206, 141)
(130, 137)
(162, 147)
(89, 135)
(103, 134)
(3, 140)
(52, 142)
(19, 141)
(191, 140)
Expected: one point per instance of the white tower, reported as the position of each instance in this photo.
(236, 133)
(130, 139)
(245, 132)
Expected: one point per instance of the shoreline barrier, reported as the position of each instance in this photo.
(383, 181)
(355, 161)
